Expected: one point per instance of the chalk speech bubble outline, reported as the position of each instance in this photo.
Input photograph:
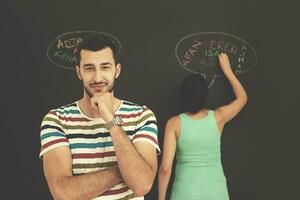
(207, 35)
(85, 34)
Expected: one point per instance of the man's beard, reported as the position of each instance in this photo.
(89, 93)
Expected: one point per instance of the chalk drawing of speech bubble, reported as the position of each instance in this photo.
(198, 52)
(62, 50)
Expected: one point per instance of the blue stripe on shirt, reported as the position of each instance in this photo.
(52, 134)
(91, 145)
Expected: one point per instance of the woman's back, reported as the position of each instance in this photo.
(199, 173)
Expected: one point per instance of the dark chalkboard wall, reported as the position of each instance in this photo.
(260, 147)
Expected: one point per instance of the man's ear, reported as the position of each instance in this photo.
(78, 72)
(118, 70)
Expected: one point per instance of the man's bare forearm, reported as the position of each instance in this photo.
(86, 186)
(135, 170)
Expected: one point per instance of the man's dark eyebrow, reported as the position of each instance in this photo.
(88, 65)
(106, 63)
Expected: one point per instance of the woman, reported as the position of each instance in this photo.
(196, 135)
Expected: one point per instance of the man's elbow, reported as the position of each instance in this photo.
(142, 189)
(59, 192)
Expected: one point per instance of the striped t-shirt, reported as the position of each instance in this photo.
(91, 144)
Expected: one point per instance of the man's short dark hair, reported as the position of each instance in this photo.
(194, 91)
(96, 43)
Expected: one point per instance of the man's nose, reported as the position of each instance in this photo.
(98, 75)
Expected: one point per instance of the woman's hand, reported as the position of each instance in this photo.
(224, 63)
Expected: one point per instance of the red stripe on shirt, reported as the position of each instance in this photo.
(53, 142)
(145, 136)
(117, 191)
(130, 115)
(93, 155)
(134, 114)
(72, 119)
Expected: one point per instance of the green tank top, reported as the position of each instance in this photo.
(199, 173)
(198, 149)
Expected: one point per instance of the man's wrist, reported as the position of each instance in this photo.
(116, 121)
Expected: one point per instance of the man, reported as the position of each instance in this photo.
(99, 147)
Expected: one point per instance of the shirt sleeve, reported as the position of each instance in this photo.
(52, 133)
(146, 129)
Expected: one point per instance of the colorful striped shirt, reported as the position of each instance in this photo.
(90, 142)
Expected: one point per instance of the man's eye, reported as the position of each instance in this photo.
(88, 69)
(105, 67)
